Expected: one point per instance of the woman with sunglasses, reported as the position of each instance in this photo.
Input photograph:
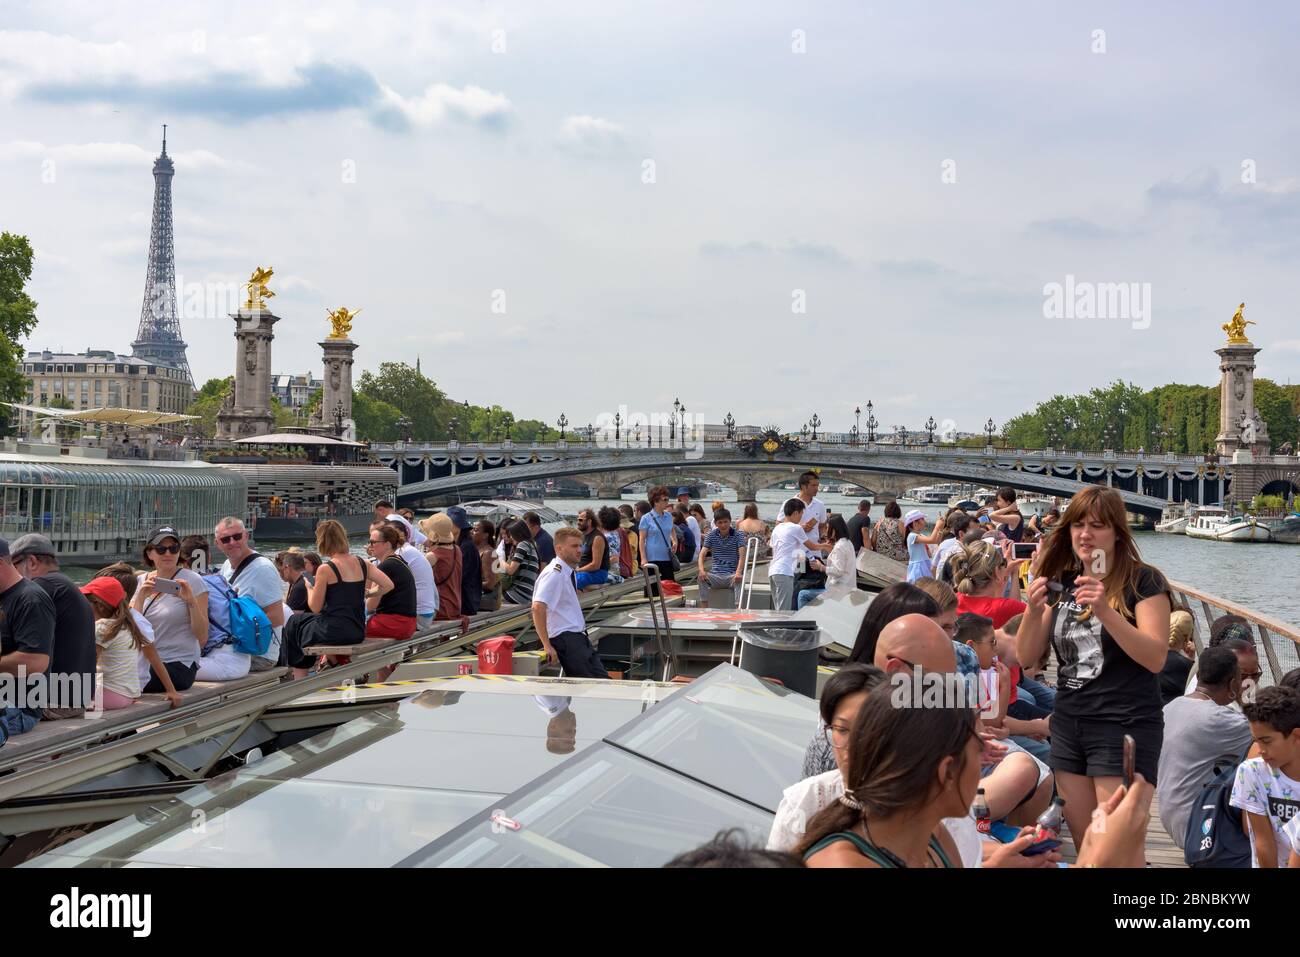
(1106, 614)
(174, 600)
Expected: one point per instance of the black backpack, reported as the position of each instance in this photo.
(1215, 836)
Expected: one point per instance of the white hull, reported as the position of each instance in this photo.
(1237, 531)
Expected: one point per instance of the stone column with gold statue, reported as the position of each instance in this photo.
(335, 410)
(1243, 433)
(246, 410)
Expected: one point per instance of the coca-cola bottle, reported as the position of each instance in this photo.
(982, 820)
(1048, 825)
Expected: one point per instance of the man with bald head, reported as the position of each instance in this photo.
(916, 645)
(914, 641)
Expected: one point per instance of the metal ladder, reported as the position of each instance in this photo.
(753, 543)
(664, 631)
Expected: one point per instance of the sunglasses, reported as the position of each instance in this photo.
(1054, 592)
(165, 549)
(228, 539)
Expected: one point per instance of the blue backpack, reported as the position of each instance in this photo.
(220, 595)
(236, 620)
(1215, 837)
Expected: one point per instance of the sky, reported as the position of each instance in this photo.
(768, 209)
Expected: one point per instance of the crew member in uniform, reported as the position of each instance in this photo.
(557, 615)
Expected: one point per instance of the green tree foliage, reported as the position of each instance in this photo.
(1188, 414)
(17, 317)
(397, 390)
(207, 403)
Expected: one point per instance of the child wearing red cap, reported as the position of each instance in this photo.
(120, 643)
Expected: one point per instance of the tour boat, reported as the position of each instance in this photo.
(1215, 523)
(1174, 518)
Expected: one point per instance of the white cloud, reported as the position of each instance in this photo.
(590, 136)
(440, 102)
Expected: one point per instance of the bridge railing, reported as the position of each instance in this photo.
(913, 445)
(1279, 642)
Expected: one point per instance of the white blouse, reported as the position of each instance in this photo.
(841, 568)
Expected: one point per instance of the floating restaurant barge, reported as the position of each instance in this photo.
(97, 510)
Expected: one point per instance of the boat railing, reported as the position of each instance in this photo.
(1279, 641)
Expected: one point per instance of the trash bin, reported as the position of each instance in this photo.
(787, 651)
(496, 656)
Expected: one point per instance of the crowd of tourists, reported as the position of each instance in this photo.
(992, 777)
(1135, 715)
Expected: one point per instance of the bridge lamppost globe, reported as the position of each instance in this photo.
(672, 425)
(872, 423)
(857, 421)
(683, 425)
(618, 423)
(563, 423)
(853, 434)
(730, 423)
(989, 429)
(930, 426)
(804, 431)
(816, 423)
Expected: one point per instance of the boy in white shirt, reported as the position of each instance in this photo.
(1267, 788)
(789, 540)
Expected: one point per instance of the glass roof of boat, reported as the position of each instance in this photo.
(593, 773)
(372, 791)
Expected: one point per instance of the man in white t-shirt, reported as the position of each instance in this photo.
(557, 615)
(1267, 788)
(814, 511)
(788, 540)
(426, 591)
(255, 575)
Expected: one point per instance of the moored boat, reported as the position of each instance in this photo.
(1215, 523)
(1285, 530)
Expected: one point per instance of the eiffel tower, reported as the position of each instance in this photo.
(159, 337)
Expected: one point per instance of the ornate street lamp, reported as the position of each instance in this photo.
(853, 434)
(453, 426)
(683, 426)
(563, 423)
(730, 423)
(872, 422)
(901, 432)
(857, 416)
(816, 423)
(930, 426)
(990, 428)
(404, 428)
(672, 426)
(804, 431)
(618, 422)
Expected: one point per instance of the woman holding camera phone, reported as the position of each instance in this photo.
(1106, 614)
(174, 600)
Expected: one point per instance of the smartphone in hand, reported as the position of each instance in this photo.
(1130, 757)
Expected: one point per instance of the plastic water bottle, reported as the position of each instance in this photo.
(982, 820)
(1048, 825)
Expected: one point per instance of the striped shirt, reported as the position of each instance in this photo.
(521, 586)
(725, 551)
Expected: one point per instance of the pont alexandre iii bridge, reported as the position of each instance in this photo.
(1147, 481)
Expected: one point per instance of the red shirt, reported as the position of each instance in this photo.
(1001, 610)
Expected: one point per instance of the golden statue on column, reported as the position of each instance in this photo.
(1236, 327)
(341, 322)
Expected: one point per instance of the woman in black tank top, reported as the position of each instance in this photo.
(337, 600)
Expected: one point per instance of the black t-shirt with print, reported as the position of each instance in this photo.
(1096, 678)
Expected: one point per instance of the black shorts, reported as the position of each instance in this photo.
(1095, 748)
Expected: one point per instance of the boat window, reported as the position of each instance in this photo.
(731, 731)
(605, 808)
